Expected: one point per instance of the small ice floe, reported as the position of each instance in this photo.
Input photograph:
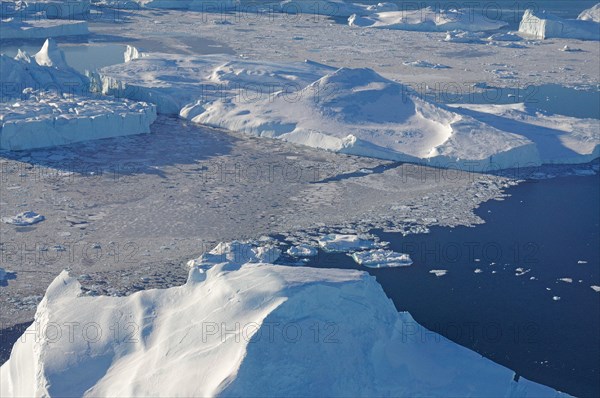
(521, 271)
(344, 243)
(439, 272)
(555, 298)
(425, 64)
(566, 280)
(477, 260)
(595, 288)
(24, 219)
(581, 262)
(478, 271)
(380, 258)
(533, 278)
(302, 250)
(568, 49)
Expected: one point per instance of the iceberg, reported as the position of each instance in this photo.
(24, 219)
(252, 329)
(380, 258)
(543, 25)
(46, 119)
(438, 272)
(11, 28)
(46, 70)
(45, 9)
(591, 14)
(345, 242)
(302, 250)
(427, 20)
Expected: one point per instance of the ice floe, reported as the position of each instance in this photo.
(427, 19)
(543, 25)
(438, 272)
(380, 258)
(24, 219)
(595, 288)
(245, 329)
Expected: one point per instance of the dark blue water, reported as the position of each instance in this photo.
(545, 226)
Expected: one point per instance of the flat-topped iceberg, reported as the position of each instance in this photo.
(345, 242)
(428, 20)
(46, 119)
(12, 28)
(381, 258)
(252, 329)
(543, 25)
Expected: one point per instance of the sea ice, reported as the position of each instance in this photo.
(251, 330)
(543, 25)
(380, 258)
(566, 280)
(595, 288)
(24, 219)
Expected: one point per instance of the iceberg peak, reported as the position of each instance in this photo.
(51, 55)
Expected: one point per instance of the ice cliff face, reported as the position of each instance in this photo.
(252, 329)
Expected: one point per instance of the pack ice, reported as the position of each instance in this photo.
(45, 103)
(353, 111)
(543, 25)
(252, 329)
(426, 19)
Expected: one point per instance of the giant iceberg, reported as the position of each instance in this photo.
(251, 329)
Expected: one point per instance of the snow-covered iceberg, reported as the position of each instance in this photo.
(427, 19)
(357, 111)
(251, 329)
(543, 25)
(345, 242)
(173, 82)
(591, 14)
(12, 28)
(46, 70)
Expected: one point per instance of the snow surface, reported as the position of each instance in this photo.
(313, 332)
(591, 14)
(345, 243)
(543, 25)
(12, 28)
(380, 258)
(23, 219)
(427, 20)
(45, 9)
